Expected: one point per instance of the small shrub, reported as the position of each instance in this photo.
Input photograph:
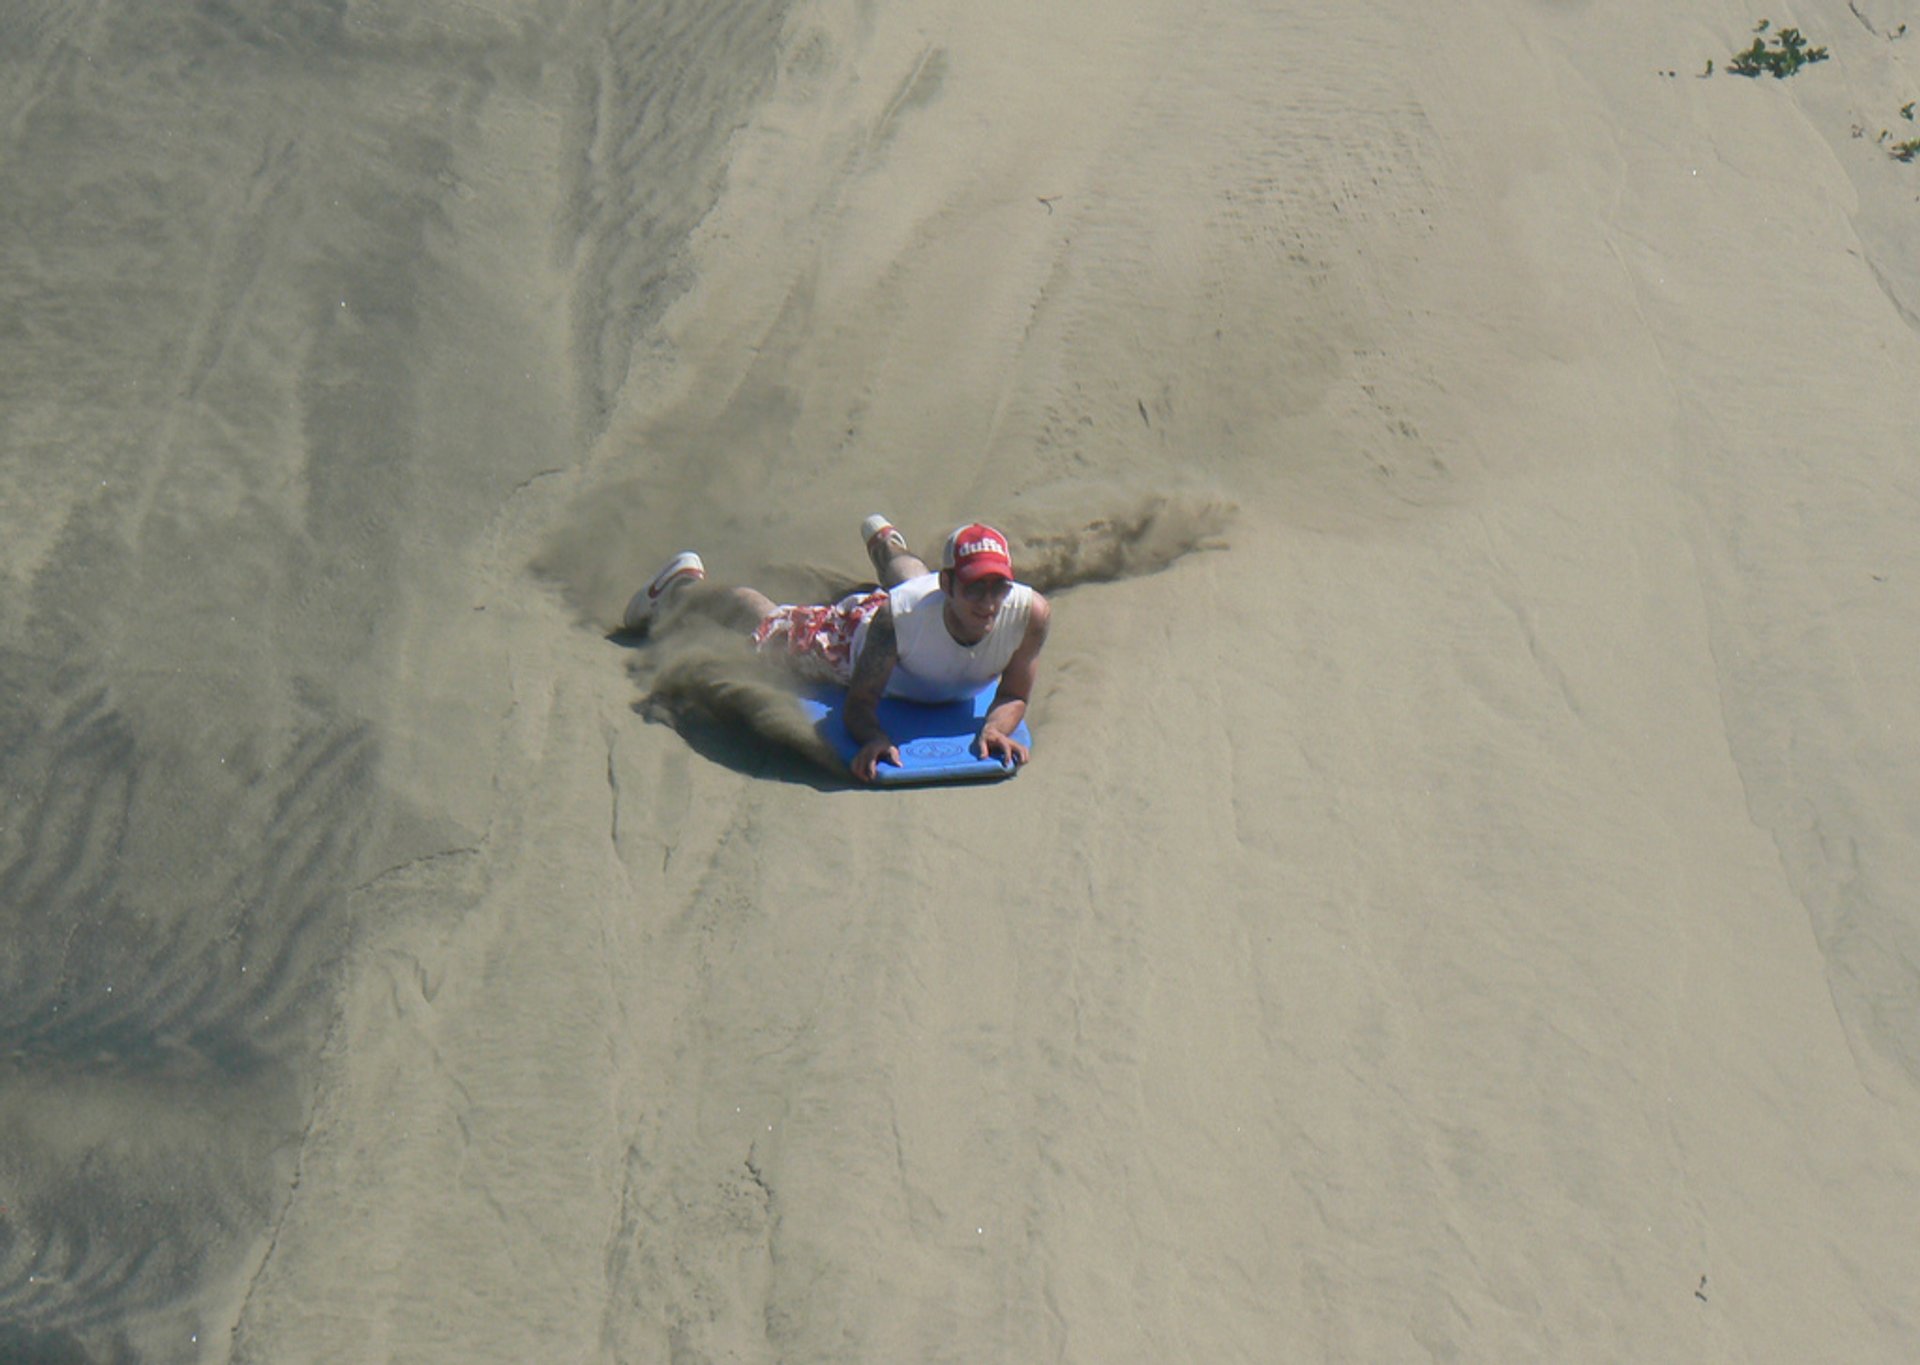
(1789, 53)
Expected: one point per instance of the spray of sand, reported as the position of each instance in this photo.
(698, 671)
(1058, 547)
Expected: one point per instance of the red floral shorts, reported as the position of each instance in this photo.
(818, 640)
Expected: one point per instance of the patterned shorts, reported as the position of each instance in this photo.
(818, 640)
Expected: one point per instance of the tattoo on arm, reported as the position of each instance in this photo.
(878, 654)
(870, 672)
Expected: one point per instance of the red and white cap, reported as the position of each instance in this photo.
(976, 551)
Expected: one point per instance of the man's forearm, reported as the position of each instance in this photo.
(1005, 714)
(862, 715)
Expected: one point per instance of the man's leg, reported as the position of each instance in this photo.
(887, 549)
(758, 603)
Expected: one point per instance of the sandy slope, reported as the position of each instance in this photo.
(1467, 917)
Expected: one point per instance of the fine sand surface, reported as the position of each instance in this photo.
(1465, 903)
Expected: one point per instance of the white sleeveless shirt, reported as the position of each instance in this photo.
(933, 665)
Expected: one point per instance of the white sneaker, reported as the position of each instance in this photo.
(878, 528)
(676, 573)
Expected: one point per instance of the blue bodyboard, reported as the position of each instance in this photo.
(935, 739)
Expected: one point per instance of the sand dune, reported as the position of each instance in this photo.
(1461, 904)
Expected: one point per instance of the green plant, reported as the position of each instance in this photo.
(1905, 151)
(1789, 53)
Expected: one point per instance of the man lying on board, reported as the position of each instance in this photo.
(920, 635)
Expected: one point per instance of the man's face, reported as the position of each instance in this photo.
(976, 604)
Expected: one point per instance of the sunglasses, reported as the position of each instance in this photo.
(985, 590)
